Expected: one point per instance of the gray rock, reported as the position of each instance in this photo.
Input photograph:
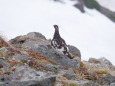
(70, 74)
(93, 60)
(86, 83)
(105, 61)
(4, 63)
(80, 5)
(49, 81)
(19, 40)
(33, 44)
(62, 59)
(25, 76)
(74, 51)
(43, 47)
(20, 57)
(53, 68)
(35, 35)
(106, 80)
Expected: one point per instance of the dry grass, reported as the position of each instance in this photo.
(41, 58)
(97, 71)
(85, 72)
(3, 43)
(65, 82)
(68, 83)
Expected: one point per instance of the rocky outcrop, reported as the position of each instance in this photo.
(37, 42)
(25, 76)
(31, 61)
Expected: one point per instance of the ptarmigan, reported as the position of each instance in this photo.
(59, 43)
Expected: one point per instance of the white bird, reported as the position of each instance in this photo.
(59, 43)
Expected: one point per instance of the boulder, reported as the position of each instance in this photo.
(75, 51)
(61, 59)
(25, 76)
(102, 61)
(19, 40)
(35, 35)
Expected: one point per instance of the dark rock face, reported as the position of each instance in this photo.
(93, 4)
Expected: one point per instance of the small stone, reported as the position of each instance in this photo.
(37, 74)
(4, 63)
(30, 77)
(2, 79)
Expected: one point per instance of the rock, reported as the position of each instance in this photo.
(80, 6)
(25, 76)
(19, 40)
(45, 82)
(86, 83)
(35, 35)
(74, 51)
(34, 44)
(105, 61)
(42, 46)
(4, 63)
(20, 57)
(93, 60)
(51, 67)
(102, 61)
(107, 80)
(51, 54)
(70, 74)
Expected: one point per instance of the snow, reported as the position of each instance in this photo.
(110, 4)
(91, 32)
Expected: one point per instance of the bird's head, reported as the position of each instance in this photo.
(56, 27)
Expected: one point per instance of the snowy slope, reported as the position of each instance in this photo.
(110, 4)
(91, 32)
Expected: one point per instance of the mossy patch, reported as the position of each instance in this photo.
(101, 72)
(92, 4)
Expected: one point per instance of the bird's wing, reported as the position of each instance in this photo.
(63, 42)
